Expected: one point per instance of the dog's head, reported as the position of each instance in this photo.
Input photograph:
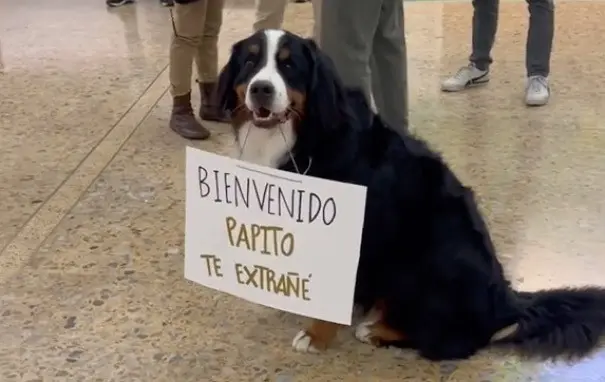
(274, 76)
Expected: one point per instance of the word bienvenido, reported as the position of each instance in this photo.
(300, 205)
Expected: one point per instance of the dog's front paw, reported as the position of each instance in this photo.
(363, 332)
(375, 332)
(303, 343)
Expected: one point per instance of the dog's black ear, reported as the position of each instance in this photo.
(326, 104)
(226, 98)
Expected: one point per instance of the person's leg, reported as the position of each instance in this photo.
(316, 4)
(269, 14)
(389, 77)
(539, 47)
(485, 25)
(347, 34)
(188, 27)
(206, 61)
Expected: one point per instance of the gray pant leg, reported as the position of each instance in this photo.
(389, 77)
(485, 24)
(365, 40)
(316, 4)
(376, 89)
(347, 32)
(539, 37)
(269, 14)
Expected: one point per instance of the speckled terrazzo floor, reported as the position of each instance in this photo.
(92, 212)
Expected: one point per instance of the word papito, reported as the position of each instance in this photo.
(268, 240)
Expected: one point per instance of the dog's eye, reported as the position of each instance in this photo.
(287, 65)
(250, 59)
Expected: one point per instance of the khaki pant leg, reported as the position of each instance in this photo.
(269, 14)
(206, 58)
(188, 31)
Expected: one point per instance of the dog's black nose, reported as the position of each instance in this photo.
(262, 93)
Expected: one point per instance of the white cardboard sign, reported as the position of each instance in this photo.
(287, 241)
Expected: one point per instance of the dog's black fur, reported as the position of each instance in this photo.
(426, 251)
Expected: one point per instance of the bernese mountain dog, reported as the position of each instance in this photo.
(428, 276)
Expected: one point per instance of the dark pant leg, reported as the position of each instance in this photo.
(485, 24)
(540, 37)
(389, 76)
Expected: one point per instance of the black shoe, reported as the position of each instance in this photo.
(118, 3)
(166, 3)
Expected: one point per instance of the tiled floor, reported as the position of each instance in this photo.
(92, 212)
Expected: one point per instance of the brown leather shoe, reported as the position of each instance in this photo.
(210, 111)
(182, 120)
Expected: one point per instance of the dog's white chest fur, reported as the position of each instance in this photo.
(266, 147)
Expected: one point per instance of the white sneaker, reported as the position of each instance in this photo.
(465, 77)
(537, 91)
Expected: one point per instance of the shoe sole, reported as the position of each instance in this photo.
(124, 2)
(193, 138)
(536, 103)
(219, 120)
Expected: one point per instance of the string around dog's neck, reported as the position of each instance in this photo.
(295, 164)
(291, 154)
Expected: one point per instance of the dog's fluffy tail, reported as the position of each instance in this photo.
(561, 323)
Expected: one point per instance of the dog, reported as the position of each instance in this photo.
(428, 276)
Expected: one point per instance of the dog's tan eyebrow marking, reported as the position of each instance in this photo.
(283, 54)
(254, 48)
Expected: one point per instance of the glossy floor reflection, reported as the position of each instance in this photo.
(91, 184)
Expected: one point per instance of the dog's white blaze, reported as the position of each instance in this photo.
(270, 146)
(266, 147)
(270, 73)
